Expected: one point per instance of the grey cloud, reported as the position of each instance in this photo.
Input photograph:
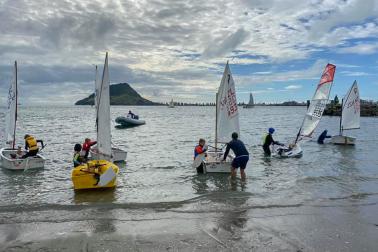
(225, 46)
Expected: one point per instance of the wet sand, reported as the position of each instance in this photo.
(337, 225)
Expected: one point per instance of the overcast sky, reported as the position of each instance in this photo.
(177, 49)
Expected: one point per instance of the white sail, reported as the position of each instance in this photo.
(318, 102)
(227, 108)
(350, 116)
(97, 89)
(103, 113)
(11, 114)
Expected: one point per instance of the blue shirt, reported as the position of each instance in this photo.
(237, 147)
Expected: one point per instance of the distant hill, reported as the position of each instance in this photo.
(120, 94)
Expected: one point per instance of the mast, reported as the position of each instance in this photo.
(15, 118)
(216, 121)
(341, 117)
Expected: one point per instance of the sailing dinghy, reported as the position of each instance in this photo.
(350, 116)
(102, 104)
(313, 115)
(171, 104)
(9, 157)
(250, 104)
(226, 122)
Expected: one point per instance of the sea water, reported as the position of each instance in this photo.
(325, 200)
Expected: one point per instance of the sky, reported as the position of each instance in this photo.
(178, 49)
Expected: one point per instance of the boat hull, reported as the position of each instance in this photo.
(125, 121)
(343, 140)
(285, 152)
(214, 163)
(92, 175)
(118, 155)
(7, 162)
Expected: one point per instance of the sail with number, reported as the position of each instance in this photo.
(350, 115)
(103, 113)
(318, 103)
(11, 114)
(227, 108)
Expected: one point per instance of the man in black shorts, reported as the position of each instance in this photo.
(241, 155)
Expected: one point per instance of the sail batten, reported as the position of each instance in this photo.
(318, 103)
(227, 119)
(11, 115)
(103, 112)
(350, 115)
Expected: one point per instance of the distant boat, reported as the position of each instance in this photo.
(226, 122)
(250, 104)
(128, 121)
(313, 115)
(171, 104)
(9, 158)
(350, 116)
(102, 104)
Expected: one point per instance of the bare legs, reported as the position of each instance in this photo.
(234, 171)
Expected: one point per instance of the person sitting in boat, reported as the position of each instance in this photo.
(268, 140)
(131, 115)
(31, 146)
(241, 155)
(87, 147)
(323, 136)
(77, 158)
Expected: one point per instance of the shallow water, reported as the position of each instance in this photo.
(331, 190)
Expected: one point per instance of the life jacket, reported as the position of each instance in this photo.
(32, 143)
(198, 150)
(264, 138)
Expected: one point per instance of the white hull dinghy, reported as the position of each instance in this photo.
(118, 155)
(9, 162)
(313, 115)
(9, 158)
(226, 122)
(350, 116)
(104, 150)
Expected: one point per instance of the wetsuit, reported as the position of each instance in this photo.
(322, 137)
(241, 153)
(267, 142)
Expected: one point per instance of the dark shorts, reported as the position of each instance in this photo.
(240, 162)
(30, 153)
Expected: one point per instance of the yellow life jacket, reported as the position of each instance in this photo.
(32, 143)
(264, 138)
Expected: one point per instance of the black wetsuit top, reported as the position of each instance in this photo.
(237, 147)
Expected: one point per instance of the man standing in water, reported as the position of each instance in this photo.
(241, 155)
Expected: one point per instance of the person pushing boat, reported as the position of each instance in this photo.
(268, 140)
(323, 136)
(241, 155)
(31, 146)
(201, 148)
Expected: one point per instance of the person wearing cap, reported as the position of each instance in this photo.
(268, 140)
(241, 155)
(31, 146)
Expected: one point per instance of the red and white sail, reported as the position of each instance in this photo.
(350, 115)
(318, 102)
(227, 108)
